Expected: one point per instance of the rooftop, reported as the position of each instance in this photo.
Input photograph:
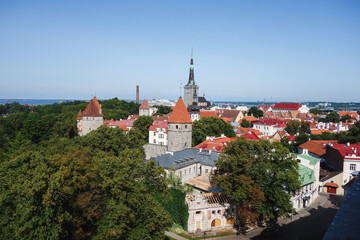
(311, 159)
(187, 157)
(306, 175)
(180, 113)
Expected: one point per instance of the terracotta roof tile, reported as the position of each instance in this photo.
(144, 104)
(248, 118)
(205, 113)
(180, 113)
(93, 109)
(286, 106)
(317, 147)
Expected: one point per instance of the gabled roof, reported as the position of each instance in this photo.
(180, 113)
(228, 113)
(206, 113)
(215, 144)
(351, 114)
(93, 109)
(144, 104)
(248, 118)
(316, 147)
(286, 106)
(348, 151)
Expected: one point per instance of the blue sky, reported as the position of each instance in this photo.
(243, 50)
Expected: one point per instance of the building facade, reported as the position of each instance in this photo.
(91, 119)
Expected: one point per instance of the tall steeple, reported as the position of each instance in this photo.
(191, 73)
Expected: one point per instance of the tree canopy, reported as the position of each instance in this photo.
(55, 184)
(254, 111)
(259, 178)
(210, 126)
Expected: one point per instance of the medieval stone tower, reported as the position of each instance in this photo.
(191, 89)
(91, 118)
(179, 128)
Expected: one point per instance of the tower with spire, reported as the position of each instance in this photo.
(191, 89)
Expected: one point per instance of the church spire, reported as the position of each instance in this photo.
(191, 74)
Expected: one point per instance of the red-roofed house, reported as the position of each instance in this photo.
(284, 107)
(158, 133)
(206, 113)
(269, 126)
(353, 115)
(125, 124)
(230, 114)
(278, 136)
(215, 143)
(249, 119)
(265, 108)
(91, 118)
(344, 157)
(145, 109)
(241, 131)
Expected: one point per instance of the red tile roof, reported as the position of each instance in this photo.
(351, 114)
(158, 124)
(248, 118)
(160, 118)
(286, 106)
(251, 136)
(228, 113)
(180, 113)
(347, 151)
(126, 122)
(318, 131)
(205, 113)
(270, 121)
(93, 109)
(144, 104)
(317, 147)
(216, 144)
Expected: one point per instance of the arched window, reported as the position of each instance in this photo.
(216, 223)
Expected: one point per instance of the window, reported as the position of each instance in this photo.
(185, 173)
(177, 127)
(189, 170)
(206, 170)
(154, 141)
(352, 167)
(154, 133)
(185, 126)
(219, 211)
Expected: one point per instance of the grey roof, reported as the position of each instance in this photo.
(187, 157)
(345, 224)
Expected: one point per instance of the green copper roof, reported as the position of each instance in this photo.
(313, 160)
(306, 175)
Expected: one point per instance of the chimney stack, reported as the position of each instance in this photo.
(137, 94)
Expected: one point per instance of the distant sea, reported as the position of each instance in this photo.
(34, 101)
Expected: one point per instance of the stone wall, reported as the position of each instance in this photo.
(179, 136)
(154, 150)
(88, 124)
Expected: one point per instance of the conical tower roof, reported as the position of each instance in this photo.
(180, 113)
(93, 109)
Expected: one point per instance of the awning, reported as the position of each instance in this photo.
(331, 185)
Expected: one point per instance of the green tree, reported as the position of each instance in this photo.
(346, 118)
(254, 111)
(163, 110)
(245, 123)
(210, 126)
(304, 128)
(300, 139)
(143, 123)
(292, 127)
(353, 135)
(331, 117)
(259, 177)
(132, 211)
(315, 111)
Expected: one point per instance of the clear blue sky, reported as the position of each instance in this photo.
(243, 50)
